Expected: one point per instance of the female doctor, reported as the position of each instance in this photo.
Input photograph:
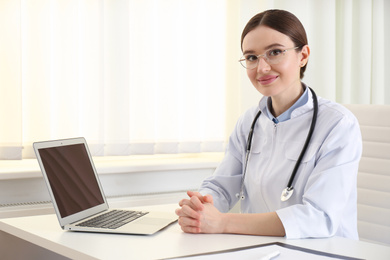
(295, 173)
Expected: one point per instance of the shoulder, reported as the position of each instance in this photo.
(332, 111)
(335, 121)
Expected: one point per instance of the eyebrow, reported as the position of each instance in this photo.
(273, 45)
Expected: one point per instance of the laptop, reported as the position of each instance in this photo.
(78, 197)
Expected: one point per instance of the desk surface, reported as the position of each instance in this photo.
(44, 231)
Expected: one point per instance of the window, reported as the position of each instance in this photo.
(132, 77)
(161, 76)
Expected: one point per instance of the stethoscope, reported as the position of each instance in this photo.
(289, 190)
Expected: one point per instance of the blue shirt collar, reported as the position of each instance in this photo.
(287, 114)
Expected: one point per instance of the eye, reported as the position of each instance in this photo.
(251, 58)
(274, 52)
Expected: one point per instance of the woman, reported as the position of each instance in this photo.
(323, 204)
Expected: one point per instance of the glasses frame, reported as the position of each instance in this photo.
(265, 57)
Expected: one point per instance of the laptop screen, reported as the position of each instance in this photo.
(72, 178)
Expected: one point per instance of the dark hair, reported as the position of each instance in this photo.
(281, 21)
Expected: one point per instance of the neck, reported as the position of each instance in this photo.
(285, 100)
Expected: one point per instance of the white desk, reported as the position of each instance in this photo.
(44, 231)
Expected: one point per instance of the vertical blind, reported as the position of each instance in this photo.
(133, 77)
(161, 76)
(349, 61)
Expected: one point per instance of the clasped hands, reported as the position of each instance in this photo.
(199, 215)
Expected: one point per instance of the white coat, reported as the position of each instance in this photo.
(324, 202)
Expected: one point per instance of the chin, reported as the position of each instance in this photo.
(267, 90)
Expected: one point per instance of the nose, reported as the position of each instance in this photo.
(262, 65)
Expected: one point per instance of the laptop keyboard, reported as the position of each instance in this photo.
(113, 219)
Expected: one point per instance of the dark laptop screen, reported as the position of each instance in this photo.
(72, 178)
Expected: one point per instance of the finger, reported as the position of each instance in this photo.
(188, 222)
(192, 230)
(184, 202)
(187, 211)
(189, 225)
(204, 199)
(208, 199)
(193, 193)
(196, 203)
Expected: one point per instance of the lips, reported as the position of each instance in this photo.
(265, 80)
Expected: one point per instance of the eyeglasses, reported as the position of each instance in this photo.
(273, 56)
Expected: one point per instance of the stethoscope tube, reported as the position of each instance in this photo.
(247, 154)
(287, 192)
(305, 146)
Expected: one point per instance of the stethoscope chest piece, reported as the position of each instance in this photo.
(287, 193)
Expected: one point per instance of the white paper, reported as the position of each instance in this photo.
(259, 252)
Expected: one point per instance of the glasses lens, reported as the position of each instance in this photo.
(249, 61)
(243, 61)
(275, 56)
(274, 59)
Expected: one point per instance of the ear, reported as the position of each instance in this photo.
(305, 53)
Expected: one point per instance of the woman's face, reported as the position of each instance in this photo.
(275, 80)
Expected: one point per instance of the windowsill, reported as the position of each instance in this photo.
(29, 168)
(126, 181)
